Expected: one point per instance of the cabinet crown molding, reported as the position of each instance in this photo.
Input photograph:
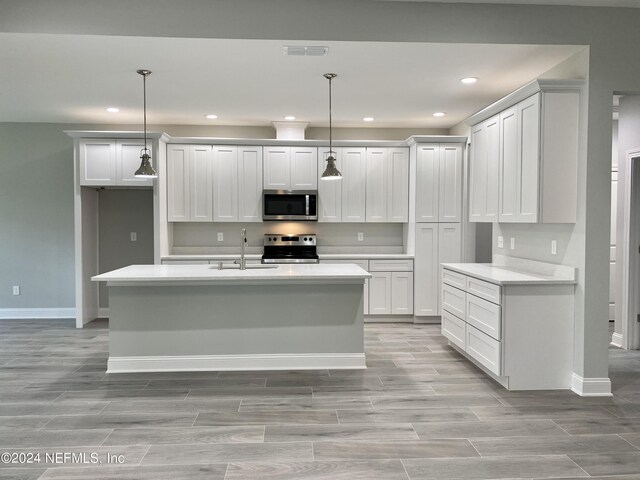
(538, 85)
(417, 139)
(116, 134)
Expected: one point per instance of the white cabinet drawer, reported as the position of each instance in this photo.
(391, 265)
(364, 264)
(482, 289)
(454, 329)
(485, 316)
(485, 350)
(454, 279)
(453, 301)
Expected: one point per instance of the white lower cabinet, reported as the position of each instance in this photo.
(380, 293)
(522, 334)
(401, 293)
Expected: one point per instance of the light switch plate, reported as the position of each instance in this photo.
(361, 236)
(513, 243)
(220, 236)
(16, 289)
(554, 247)
(134, 236)
(500, 242)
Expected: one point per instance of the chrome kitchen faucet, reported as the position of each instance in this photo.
(243, 242)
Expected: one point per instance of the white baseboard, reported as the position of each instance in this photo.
(317, 361)
(103, 312)
(36, 313)
(617, 340)
(388, 319)
(590, 387)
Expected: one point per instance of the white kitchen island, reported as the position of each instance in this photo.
(196, 317)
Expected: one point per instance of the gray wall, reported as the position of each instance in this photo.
(36, 216)
(120, 212)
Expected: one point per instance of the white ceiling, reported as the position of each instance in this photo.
(72, 78)
(578, 3)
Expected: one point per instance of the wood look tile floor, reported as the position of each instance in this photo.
(420, 411)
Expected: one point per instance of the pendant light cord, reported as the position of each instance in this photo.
(144, 107)
(330, 122)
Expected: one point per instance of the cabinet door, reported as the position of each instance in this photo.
(401, 293)
(427, 180)
(225, 184)
(376, 190)
(178, 197)
(426, 270)
(398, 185)
(353, 184)
(128, 161)
(478, 188)
(330, 191)
(449, 247)
(201, 184)
(492, 128)
(450, 198)
(304, 168)
(250, 184)
(97, 162)
(529, 159)
(380, 293)
(277, 168)
(508, 201)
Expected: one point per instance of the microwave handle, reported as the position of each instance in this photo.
(306, 204)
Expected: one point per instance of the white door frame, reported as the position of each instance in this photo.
(629, 244)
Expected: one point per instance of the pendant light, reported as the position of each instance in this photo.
(331, 172)
(145, 170)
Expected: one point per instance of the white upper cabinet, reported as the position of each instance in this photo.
(178, 183)
(537, 134)
(128, 161)
(250, 184)
(398, 185)
(200, 183)
(225, 184)
(387, 186)
(353, 169)
(450, 197)
(377, 185)
(290, 168)
(329, 191)
(427, 180)
(110, 162)
(438, 182)
(304, 168)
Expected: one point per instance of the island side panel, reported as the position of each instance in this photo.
(236, 320)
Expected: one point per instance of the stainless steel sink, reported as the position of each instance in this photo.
(232, 266)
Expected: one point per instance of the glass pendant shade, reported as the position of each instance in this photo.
(145, 170)
(331, 172)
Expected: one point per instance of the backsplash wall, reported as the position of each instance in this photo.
(533, 241)
(197, 238)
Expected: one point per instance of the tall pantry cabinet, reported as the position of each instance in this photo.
(437, 214)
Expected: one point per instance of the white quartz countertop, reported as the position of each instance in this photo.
(508, 275)
(158, 274)
(323, 256)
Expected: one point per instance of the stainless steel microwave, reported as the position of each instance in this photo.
(290, 205)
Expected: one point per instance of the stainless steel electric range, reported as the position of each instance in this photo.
(290, 249)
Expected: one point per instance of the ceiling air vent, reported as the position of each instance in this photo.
(300, 51)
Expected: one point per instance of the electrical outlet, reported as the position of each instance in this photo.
(134, 236)
(501, 242)
(554, 247)
(16, 289)
(361, 236)
(513, 243)
(220, 236)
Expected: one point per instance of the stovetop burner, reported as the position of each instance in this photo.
(290, 249)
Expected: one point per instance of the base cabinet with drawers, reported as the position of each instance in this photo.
(521, 334)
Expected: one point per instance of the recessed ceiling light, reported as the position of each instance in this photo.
(289, 117)
(367, 119)
(469, 80)
(439, 114)
(211, 116)
(112, 109)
